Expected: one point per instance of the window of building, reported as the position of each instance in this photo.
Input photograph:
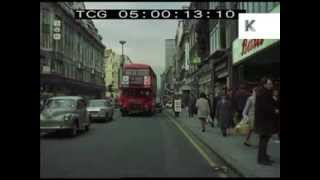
(257, 7)
(271, 5)
(214, 5)
(73, 70)
(52, 66)
(251, 7)
(263, 7)
(240, 5)
(247, 7)
(215, 38)
(66, 70)
(46, 29)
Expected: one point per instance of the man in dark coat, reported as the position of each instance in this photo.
(264, 119)
(211, 111)
(240, 99)
(216, 99)
(224, 112)
(191, 105)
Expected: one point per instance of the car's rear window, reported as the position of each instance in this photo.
(61, 103)
(97, 103)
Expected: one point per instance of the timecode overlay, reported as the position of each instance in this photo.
(156, 14)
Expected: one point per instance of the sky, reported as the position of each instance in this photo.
(145, 38)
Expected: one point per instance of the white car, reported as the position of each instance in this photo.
(100, 109)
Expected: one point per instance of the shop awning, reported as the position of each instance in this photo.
(58, 80)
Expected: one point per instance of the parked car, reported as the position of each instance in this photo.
(100, 109)
(65, 113)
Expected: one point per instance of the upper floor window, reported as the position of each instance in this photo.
(215, 38)
(214, 5)
(46, 29)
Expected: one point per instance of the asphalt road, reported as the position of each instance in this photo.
(125, 147)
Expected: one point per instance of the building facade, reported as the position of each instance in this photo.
(210, 57)
(253, 59)
(113, 71)
(73, 64)
(169, 52)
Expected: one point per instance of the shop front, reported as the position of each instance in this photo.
(205, 84)
(255, 58)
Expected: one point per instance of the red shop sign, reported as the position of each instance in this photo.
(248, 45)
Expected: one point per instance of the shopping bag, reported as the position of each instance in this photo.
(209, 119)
(242, 128)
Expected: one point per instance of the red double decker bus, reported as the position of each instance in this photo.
(138, 89)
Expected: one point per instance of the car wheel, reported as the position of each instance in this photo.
(73, 132)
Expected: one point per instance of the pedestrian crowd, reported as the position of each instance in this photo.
(257, 107)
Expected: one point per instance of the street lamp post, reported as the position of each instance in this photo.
(122, 42)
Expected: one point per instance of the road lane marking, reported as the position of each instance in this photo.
(211, 163)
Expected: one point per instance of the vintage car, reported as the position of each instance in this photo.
(65, 113)
(100, 109)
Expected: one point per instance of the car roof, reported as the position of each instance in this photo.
(67, 97)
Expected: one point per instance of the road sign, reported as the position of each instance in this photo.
(56, 29)
(57, 23)
(56, 36)
(46, 69)
(177, 105)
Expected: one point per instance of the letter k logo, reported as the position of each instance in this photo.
(249, 25)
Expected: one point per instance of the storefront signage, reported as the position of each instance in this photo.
(244, 48)
(250, 44)
(45, 69)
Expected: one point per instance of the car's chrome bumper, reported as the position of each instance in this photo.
(53, 128)
(96, 116)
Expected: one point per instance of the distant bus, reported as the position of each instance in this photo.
(138, 90)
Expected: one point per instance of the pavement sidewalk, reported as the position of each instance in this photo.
(231, 148)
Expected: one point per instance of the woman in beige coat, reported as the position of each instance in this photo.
(248, 112)
(203, 110)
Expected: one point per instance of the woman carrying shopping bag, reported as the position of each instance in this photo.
(248, 114)
(203, 110)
